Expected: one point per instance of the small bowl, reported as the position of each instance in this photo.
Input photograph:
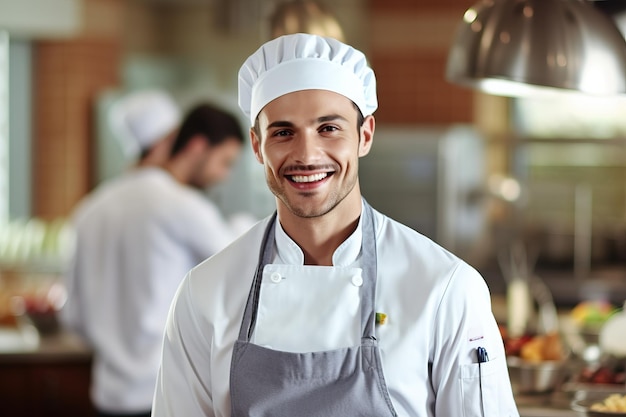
(536, 377)
(583, 406)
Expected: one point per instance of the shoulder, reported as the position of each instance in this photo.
(103, 195)
(111, 192)
(162, 195)
(244, 249)
(421, 265)
(396, 238)
(231, 270)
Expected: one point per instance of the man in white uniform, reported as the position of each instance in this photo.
(328, 308)
(137, 236)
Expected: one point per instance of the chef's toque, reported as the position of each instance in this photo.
(142, 118)
(305, 62)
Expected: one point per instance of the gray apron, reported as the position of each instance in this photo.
(341, 382)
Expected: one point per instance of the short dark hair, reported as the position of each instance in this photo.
(213, 124)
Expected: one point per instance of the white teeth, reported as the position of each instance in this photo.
(309, 178)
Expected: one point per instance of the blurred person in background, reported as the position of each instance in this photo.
(137, 236)
(304, 16)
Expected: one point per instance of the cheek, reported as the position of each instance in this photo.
(272, 167)
(209, 171)
(273, 158)
(214, 169)
(345, 155)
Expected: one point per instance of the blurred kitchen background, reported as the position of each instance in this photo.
(478, 173)
(473, 171)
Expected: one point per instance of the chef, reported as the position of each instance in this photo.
(328, 307)
(136, 237)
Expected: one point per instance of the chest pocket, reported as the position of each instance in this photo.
(479, 388)
(319, 304)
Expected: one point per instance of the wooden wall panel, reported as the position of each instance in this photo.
(408, 48)
(68, 75)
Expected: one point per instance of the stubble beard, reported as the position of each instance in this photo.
(308, 208)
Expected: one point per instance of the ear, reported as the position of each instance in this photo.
(367, 135)
(196, 145)
(255, 141)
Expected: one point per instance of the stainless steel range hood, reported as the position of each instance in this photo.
(521, 47)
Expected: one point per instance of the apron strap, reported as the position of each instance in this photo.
(265, 256)
(370, 269)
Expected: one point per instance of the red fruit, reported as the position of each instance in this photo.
(603, 376)
(513, 346)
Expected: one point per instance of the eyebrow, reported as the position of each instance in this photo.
(321, 119)
(279, 123)
(330, 118)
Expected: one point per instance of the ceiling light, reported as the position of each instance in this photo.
(526, 47)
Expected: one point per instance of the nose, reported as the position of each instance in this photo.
(307, 148)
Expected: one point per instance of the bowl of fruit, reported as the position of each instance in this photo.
(608, 373)
(537, 363)
(601, 377)
(582, 326)
(603, 405)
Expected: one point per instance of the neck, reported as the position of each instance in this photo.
(184, 167)
(319, 237)
(179, 171)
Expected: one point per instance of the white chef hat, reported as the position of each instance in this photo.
(142, 118)
(305, 62)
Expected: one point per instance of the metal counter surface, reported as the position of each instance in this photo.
(556, 404)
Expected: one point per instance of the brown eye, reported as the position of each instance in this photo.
(329, 128)
(281, 133)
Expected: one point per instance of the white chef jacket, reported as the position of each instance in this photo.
(137, 236)
(438, 311)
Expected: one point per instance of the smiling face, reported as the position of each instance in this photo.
(310, 146)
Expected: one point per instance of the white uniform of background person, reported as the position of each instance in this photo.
(438, 307)
(137, 235)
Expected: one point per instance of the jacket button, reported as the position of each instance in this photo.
(276, 277)
(357, 280)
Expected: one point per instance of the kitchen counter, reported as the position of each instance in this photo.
(67, 350)
(546, 412)
(556, 404)
(50, 378)
(61, 346)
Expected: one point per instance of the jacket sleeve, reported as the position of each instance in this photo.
(206, 230)
(183, 384)
(464, 322)
(72, 313)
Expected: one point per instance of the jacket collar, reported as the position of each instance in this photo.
(288, 251)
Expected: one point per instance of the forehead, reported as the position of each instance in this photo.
(308, 104)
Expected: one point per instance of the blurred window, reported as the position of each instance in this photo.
(4, 127)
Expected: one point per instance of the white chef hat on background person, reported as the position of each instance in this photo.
(305, 62)
(142, 118)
